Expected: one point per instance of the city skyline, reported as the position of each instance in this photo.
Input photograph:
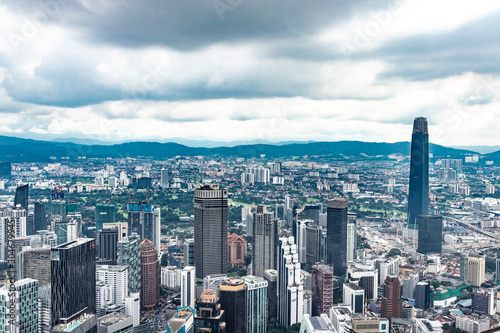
(254, 71)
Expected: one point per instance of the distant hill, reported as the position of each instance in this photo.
(27, 150)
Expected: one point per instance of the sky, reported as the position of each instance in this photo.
(272, 70)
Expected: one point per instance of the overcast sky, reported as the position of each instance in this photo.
(275, 70)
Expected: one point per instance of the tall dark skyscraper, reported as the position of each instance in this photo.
(233, 300)
(336, 235)
(418, 198)
(210, 231)
(107, 247)
(422, 295)
(40, 217)
(21, 197)
(104, 214)
(73, 279)
(430, 233)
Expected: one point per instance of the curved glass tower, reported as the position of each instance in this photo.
(418, 198)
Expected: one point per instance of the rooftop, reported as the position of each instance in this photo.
(112, 318)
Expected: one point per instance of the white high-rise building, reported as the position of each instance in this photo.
(112, 182)
(366, 277)
(171, 276)
(133, 307)
(103, 297)
(301, 240)
(18, 218)
(164, 178)
(354, 297)
(115, 276)
(157, 230)
(290, 288)
(409, 285)
(387, 266)
(351, 241)
(24, 319)
(188, 287)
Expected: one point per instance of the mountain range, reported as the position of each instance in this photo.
(28, 150)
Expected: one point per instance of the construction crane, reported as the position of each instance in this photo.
(182, 312)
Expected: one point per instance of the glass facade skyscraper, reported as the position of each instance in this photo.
(256, 304)
(430, 233)
(336, 235)
(129, 252)
(21, 197)
(210, 231)
(418, 198)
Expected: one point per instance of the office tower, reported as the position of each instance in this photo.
(182, 321)
(483, 302)
(117, 277)
(271, 276)
(30, 224)
(315, 250)
(24, 295)
(366, 278)
(322, 289)
(256, 304)
(188, 286)
(66, 231)
(164, 178)
(144, 219)
(290, 289)
(337, 235)
(233, 300)
(36, 264)
(386, 267)
(209, 317)
(317, 324)
(73, 282)
(189, 252)
(19, 220)
(409, 285)
(210, 230)
(354, 297)
(280, 212)
(108, 244)
(430, 233)
(422, 295)
(115, 322)
(133, 307)
(391, 303)
(104, 214)
(214, 281)
(129, 252)
(236, 250)
(418, 197)
(265, 236)
(300, 239)
(122, 228)
(464, 259)
(21, 197)
(40, 217)
(475, 270)
(351, 241)
(150, 275)
(497, 274)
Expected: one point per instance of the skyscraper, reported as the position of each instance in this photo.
(188, 286)
(209, 315)
(233, 301)
(265, 236)
(391, 302)
(104, 214)
(107, 247)
(337, 235)
(290, 288)
(73, 281)
(475, 270)
(150, 275)
(189, 252)
(422, 295)
(24, 295)
(210, 230)
(322, 289)
(256, 304)
(164, 178)
(129, 252)
(315, 249)
(144, 219)
(21, 197)
(430, 233)
(117, 277)
(418, 198)
(40, 217)
(351, 241)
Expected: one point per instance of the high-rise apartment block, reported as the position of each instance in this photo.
(475, 270)
(188, 286)
(23, 294)
(290, 288)
(256, 304)
(210, 230)
(150, 275)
